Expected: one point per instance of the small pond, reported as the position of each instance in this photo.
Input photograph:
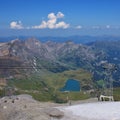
(71, 85)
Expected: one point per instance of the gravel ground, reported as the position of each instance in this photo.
(24, 107)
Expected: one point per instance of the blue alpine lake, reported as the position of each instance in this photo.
(71, 85)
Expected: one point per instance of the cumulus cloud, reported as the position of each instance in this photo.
(60, 15)
(52, 23)
(62, 25)
(52, 16)
(16, 25)
(42, 26)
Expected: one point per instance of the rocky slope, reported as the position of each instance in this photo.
(24, 107)
(23, 58)
(51, 56)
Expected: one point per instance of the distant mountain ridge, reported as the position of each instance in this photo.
(76, 39)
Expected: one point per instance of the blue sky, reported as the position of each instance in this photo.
(59, 17)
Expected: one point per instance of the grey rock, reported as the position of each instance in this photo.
(54, 112)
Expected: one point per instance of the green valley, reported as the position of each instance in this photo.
(47, 87)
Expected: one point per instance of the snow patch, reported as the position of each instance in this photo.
(34, 62)
(94, 111)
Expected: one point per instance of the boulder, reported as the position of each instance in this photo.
(54, 112)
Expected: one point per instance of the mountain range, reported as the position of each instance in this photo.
(55, 57)
(31, 57)
(76, 38)
(51, 56)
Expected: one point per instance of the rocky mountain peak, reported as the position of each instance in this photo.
(32, 43)
(15, 41)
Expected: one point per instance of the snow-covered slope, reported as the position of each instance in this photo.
(92, 111)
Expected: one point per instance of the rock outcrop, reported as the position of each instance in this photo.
(23, 107)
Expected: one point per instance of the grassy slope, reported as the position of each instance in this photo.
(58, 80)
(46, 87)
(116, 94)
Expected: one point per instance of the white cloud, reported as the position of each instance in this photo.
(62, 25)
(16, 25)
(60, 15)
(52, 23)
(51, 16)
(41, 26)
(79, 27)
